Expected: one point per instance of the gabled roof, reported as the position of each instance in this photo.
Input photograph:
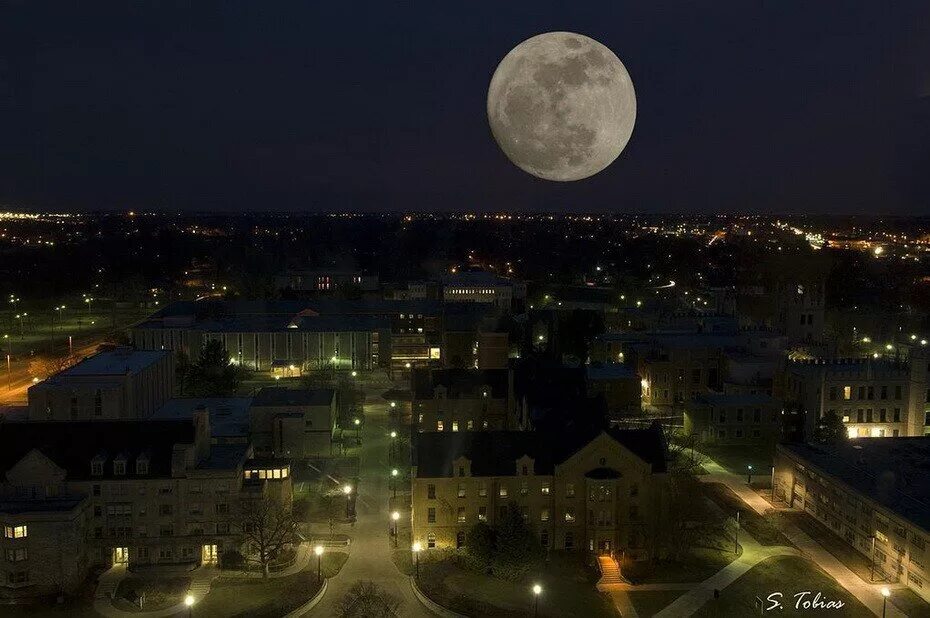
(73, 445)
(495, 453)
(460, 383)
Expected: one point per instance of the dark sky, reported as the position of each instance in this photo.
(759, 105)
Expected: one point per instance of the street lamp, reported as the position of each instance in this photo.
(391, 451)
(394, 474)
(394, 517)
(416, 552)
(537, 590)
(318, 550)
(885, 594)
(189, 602)
(347, 490)
(749, 474)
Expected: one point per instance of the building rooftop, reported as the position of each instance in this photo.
(115, 362)
(460, 383)
(73, 445)
(495, 453)
(229, 416)
(890, 471)
(283, 396)
(721, 399)
(610, 371)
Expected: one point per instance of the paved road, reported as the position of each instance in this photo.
(370, 555)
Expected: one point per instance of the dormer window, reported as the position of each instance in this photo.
(96, 466)
(142, 464)
(119, 466)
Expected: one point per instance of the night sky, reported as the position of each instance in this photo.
(743, 105)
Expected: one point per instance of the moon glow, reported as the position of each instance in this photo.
(561, 106)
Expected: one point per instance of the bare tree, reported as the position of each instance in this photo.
(268, 527)
(366, 599)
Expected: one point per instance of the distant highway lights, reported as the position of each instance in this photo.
(416, 554)
(537, 590)
(347, 490)
(318, 550)
(395, 516)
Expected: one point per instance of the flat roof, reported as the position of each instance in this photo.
(610, 371)
(115, 362)
(283, 396)
(891, 471)
(229, 416)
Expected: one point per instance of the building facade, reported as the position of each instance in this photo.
(872, 494)
(463, 400)
(604, 495)
(734, 419)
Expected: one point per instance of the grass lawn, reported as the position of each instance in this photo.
(735, 458)
(79, 605)
(256, 597)
(568, 589)
(788, 575)
(696, 566)
(650, 602)
(763, 530)
(159, 592)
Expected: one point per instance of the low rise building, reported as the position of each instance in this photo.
(875, 398)
(292, 423)
(716, 418)
(873, 494)
(600, 494)
(116, 384)
(620, 386)
(148, 493)
(463, 400)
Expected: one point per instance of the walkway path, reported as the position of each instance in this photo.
(370, 554)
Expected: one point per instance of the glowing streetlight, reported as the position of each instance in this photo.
(885, 594)
(395, 516)
(749, 474)
(416, 553)
(318, 550)
(537, 590)
(347, 490)
(354, 374)
(189, 603)
(394, 474)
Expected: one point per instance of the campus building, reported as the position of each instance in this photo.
(602, 494)
(871, 493)
(716, 418)
(74, 495)
(290, 422)
(875, 398)
(116, 384)
(463, 400)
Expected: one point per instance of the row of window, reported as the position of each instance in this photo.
(167, 530)
(125, 509)
(865, 392)
(122, 489)
(15, 532)
(741, 416)
(602, 517)
(599, 493)
(867, 416)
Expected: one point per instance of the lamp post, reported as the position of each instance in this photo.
(318, 550)
(872, 560)
(736, 536)
(394, 474)
(773, 485)
(59, 309)
(394, 517)
(9, 373)
(189, 602)
(347, 490)
(358, 429)
(749, 474)
(885, 594)
(416, 553)
(537, 590)
(393, 442)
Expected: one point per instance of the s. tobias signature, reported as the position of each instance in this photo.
(804, 600)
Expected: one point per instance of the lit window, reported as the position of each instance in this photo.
(15, 532)
(438, 425)
(847, 392)
(455, 425)
(544, 489)
(502, 492)
(569, 515)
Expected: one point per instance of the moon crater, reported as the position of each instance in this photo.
(561, 106)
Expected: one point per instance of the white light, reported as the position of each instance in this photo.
(347, 490)
(537, 589)
(189, 600)
(318, 550)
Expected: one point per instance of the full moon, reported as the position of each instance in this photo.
(561, 106)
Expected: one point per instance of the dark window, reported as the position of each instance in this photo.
(431, 491)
